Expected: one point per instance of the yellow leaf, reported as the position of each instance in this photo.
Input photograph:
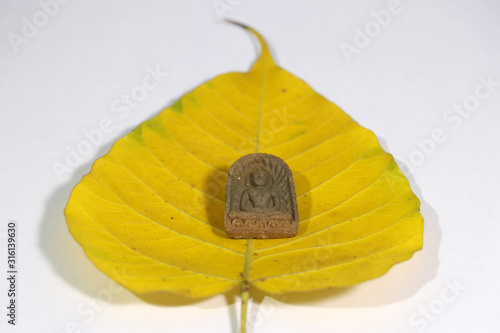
(150, 214)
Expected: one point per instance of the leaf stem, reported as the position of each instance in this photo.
(245, 295)
(245, 287)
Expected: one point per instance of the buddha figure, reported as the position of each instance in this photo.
(261, 197)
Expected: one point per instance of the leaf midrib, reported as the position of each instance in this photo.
(248, 254)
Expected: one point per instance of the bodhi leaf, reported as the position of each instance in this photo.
(150, 214)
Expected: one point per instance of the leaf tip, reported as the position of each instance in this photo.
(265, 56)
(237, 23)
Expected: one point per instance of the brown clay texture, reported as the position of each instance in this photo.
(260, 198)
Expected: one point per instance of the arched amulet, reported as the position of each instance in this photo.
(260, 198)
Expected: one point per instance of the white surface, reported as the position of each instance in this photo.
(430, 56)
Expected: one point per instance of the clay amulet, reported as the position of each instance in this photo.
(260, 198)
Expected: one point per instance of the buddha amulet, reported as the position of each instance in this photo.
(260, 198)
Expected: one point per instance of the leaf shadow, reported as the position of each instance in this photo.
(61, 250)
(168, 299)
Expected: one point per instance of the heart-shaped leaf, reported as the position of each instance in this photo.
(150, 214)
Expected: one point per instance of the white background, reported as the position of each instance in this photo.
(402, 83)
